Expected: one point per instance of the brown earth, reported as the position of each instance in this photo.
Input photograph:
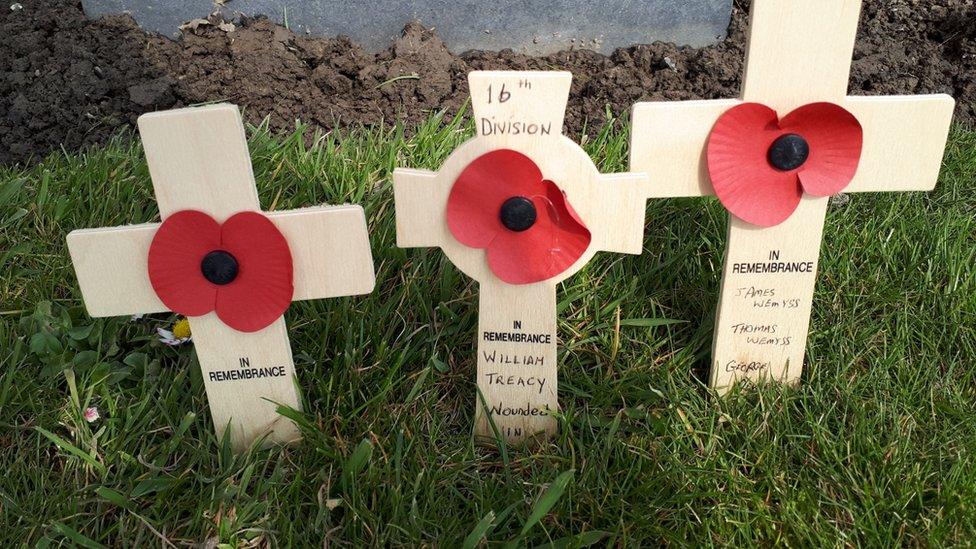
(67, 81)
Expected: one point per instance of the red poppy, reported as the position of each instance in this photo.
(241, 269)
(760, 166)
(501, 203)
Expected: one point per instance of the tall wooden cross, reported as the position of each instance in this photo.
(798, 53)
(519, 117)
(198, 160)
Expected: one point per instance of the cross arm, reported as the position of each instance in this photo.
(198, 160)
(112, 269)
(623, 201)
(904, 140)
(330, 251)
(507, 105)
(668, 143)
(329, 248)
(420, 203)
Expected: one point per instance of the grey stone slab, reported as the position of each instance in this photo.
(529, 26)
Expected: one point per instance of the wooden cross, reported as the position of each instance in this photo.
(516, 349)
(198, 159)
(798, 53)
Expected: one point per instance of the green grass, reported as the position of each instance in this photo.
(875, 447)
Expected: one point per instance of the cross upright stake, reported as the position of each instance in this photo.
(519, 117)
(198, 160)
(798, 53)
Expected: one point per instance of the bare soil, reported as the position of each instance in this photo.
(67, 81)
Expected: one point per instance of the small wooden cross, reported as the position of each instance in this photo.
(798, 53)
(198, 160)
(516, 349)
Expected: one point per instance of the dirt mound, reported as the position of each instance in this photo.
(67, 80)
(72, 82)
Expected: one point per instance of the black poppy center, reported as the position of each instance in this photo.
(789, 152)
(517, 213)
(219, 267)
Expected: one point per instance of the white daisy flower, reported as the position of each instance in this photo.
(91, 414)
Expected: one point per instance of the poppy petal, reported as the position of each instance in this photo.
(835, 138)
(553, 244)
(479, 192)
(264, 285)
(744, 181)
(177, 249)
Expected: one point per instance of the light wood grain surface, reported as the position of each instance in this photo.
(198, 159)
(798, 53)
(611, 206)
